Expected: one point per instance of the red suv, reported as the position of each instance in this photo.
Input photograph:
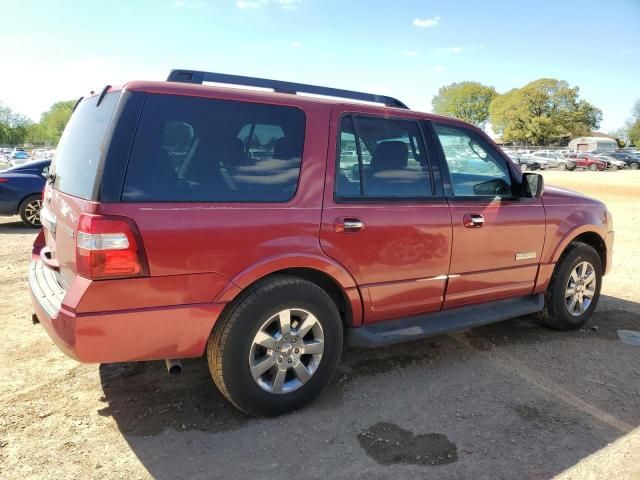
(267, 229)
(586, 160)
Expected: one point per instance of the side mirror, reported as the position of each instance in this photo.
(532, 185)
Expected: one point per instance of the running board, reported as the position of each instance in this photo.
(389, 332)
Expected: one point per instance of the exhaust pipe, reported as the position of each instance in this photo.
(174, 367)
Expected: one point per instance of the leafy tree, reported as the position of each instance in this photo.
(468, 101)
(635, 110)
(54, 120)
(543, 112)
(634, 133)
(14, 127)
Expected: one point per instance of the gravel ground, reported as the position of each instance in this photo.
(510, 400)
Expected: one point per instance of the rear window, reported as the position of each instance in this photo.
(202, 150)
(81, 146)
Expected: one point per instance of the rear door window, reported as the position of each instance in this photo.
(203, 150)
(382, 157)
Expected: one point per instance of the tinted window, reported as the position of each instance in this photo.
(381, 157)
(476, 169)
(202, 150)
(81, 146)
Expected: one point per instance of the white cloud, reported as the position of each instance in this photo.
(410, 53)
(427, 22)
(253, 4)
(296, 44)
(460, 49)
(439, 68)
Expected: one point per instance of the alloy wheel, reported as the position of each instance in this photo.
(286, 351)
(32, 212)
(580, 289)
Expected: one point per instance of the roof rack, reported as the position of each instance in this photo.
(194, 76)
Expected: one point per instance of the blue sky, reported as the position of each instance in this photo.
(52, 50)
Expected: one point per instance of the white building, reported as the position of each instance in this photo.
(595, 142)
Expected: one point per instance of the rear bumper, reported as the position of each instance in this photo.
(176, 331)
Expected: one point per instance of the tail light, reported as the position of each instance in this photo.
(3, 180)
(109, 247)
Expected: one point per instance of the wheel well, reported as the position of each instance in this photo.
(594, 240)
(327, 283)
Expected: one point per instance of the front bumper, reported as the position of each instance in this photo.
(174, 331)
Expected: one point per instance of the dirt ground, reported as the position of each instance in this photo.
(510, 400)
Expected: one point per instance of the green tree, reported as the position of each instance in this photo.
(14, 127)
(545, 111)
(634, 134)
(54, 120)
(468, 101)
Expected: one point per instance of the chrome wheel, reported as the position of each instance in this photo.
(32, 212)
(581, 288)
(286, 351)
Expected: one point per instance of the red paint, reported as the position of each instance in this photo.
(407, 258)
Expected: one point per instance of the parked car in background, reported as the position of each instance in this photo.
(19, 157)
(154, 252)
(527, 163)
(554, 160)
(588, 160)
(21, 191)
(631, 160)
(612, 162)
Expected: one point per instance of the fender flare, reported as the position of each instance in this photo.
(319, 263)
(572, 234)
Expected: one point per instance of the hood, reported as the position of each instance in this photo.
(556, 195)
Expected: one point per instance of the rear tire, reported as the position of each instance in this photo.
(593, 167)
(244, 338)
(571, 297)
(633, 166)
(30, 211)
(562, 166)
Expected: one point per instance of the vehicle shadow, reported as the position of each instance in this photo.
(512, 399)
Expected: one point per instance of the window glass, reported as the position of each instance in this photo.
(203, 150)
(476, 169)
(381, 157)
(81, 146)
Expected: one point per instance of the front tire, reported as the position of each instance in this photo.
(574, 289)
(277, 347)
(30, 211)
(562, 166)
(593, 167)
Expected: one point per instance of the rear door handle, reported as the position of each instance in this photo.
(348, 225)
(473, 220)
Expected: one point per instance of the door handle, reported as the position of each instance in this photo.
(348, 225)
(473, 220)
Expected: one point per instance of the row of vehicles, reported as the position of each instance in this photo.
(566, 160)
(19, 156)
